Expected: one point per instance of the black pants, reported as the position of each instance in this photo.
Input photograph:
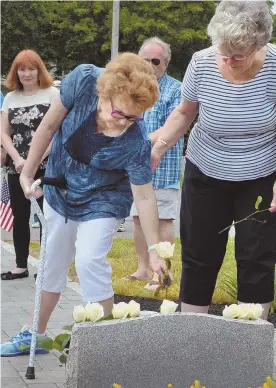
(21, 208)
(208, 206)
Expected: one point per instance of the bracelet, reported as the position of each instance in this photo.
(163, 142)
(151, 247)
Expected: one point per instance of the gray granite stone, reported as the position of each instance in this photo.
(152, 351)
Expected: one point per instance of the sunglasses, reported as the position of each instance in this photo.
(154, 61)
(237, 57)
(117, 114)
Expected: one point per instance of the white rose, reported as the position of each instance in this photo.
(79, 314)
(231, 311)
(242, 311)
(250, 311)
(120, 310)
(168, 306)
(165, 249)
(258, 310)
(133, 309)
(94, 312)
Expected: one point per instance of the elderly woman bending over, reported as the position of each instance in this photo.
(100, 150)
(231, 155)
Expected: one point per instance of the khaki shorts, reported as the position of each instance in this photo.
(167, 203)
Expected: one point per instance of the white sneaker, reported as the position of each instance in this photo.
(121, 227)
(35, 225)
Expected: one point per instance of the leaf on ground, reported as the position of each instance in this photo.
(258, 202)
(46, 343)
(63, 359)
(61, 341)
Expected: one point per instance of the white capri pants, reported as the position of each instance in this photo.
(89, 242)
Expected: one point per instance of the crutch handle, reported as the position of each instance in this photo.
(59, 182)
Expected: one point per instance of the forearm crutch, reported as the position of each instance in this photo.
(58, 182)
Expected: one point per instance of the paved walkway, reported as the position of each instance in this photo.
(17, 303)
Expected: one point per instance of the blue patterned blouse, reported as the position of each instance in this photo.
(98, 169)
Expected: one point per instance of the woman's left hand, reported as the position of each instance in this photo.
(273, 203)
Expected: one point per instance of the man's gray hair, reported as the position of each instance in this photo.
(165, 46)
(241, 24)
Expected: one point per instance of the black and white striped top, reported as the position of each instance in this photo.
(235, 136)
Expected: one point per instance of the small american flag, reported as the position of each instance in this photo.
(6, 217)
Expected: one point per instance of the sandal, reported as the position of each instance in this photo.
(133, 278)
(153, 283)
(130, 277)
(11, 276)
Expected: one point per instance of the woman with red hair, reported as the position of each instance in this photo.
(22, 111)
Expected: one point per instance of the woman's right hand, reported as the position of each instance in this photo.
(26, 183)
(157, 264)
(19, 164)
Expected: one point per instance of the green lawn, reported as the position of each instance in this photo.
(123, 261)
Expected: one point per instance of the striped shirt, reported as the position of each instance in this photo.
(234, 138)
(168, 173)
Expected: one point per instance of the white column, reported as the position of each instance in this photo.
(115, 28)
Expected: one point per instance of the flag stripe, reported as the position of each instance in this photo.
(6, 216)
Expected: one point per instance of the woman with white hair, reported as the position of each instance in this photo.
(231, 156)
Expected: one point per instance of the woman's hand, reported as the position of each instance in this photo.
(273, 203)
(19, 164)
(157, 264)
(155, 160)
(26, 183)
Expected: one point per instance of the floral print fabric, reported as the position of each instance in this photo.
(24, 121)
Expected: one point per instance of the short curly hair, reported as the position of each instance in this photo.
(238, 25)
(130, 77)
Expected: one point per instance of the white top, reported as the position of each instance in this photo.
(235, 136)
(17, 100)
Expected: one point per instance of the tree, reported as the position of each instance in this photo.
(74, 32)
(182, 24)
(25, 26)
(274, 30)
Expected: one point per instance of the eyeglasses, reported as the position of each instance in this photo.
(237, 57)
(154, 61)
(117, 114)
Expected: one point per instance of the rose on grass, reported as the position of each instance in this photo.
(250, 311)
(79, 314)
(168, 306)
(94, 312)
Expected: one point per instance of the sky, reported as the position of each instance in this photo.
(274, 7)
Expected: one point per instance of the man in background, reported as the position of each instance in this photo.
(166, 178)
